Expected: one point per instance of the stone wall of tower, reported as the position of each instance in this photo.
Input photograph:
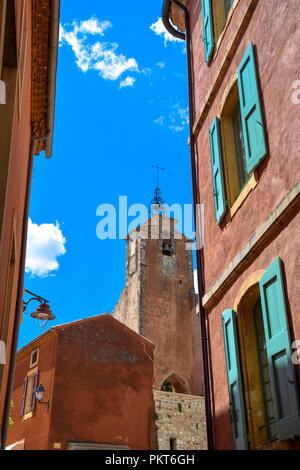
(159, 302)
(127, 309)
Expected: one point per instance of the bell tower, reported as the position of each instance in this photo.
(159, 302)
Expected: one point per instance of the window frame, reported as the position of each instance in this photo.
(235, 195)
(237, 93)
(28, 403)
(220, 22)
(33, 364)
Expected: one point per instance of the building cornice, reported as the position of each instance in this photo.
(45, 35)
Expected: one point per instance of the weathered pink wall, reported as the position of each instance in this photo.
(274, 30)
(278, 68)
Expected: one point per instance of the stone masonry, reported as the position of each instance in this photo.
(180, 417)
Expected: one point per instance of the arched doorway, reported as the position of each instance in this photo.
(174, 384)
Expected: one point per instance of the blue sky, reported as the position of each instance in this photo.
(121, 107)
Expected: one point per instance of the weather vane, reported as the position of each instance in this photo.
(157, 202)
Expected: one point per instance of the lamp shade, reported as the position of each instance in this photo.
(43, 312)
(39, 393)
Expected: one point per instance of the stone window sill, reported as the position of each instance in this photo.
(250, 185)
(27, 416)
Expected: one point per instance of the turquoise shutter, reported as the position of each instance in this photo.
(252, 121)
(217, 170)
(282, 372)
(208, 29)
(234, 377)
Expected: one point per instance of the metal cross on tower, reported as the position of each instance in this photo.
(157, 201)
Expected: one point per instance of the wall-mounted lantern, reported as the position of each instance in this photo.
(43, 313)
(39, 394)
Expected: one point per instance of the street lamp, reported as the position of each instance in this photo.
(43, 312)
(39, 394)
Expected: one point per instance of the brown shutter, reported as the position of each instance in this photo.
(24, 396)
(34, 387)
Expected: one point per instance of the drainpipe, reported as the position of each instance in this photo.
(196, 200)
(20, 293)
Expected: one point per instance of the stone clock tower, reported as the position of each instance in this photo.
(159, 302)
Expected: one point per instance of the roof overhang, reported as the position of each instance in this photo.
(45, 37)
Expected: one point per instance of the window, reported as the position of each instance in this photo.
(167, 248)
(215, 14)
(239, 147)
(237, 138)
(34, 358)
(228, 4)
(268, 402)
(261, 376)
(173, 444)
(28, 396)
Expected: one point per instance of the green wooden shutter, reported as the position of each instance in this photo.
(253, 126)
(208, 29)
(282, 372)
(234, 376)
(217, 170)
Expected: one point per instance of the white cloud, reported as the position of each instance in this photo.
(95, 55)
(159, 29)
(161, 65)
(129, 81)
(177, 119)
(44, 245)
(176, 128)
(160, 121)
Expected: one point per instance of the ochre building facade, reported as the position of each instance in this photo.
(28, 59)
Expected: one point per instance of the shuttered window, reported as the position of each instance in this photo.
(281, 405)
(234, 377)
(252, 121)
(243, 136)
(278, 345)
(22, 412)
(208, 29)
(28, 397)
(217, 170)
